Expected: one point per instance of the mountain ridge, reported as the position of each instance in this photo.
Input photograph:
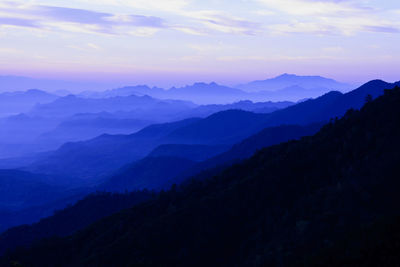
(281, 207)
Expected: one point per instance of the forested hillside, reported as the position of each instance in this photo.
(288, 204)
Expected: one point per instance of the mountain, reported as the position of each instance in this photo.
(151, 173)
(165, 165)
(199, 93)
(21, 189)
(285, 81)
(191, 152)
(47, 126)
(24, 134)
(73, 218)
(285, 206)
(222, 128)
(246, 105)
(331, 105)
(48, 132)
(293, 93)
(267, 137)
(32, 212)
(107, 153)
(284, 87)
(139, 90)
(160, 170)
(22, 193)
(86, 126)
(173, 164)
(12, 103)
(71, 105)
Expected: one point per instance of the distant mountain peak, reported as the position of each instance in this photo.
(286, 75)
(295, 76)
(204, 84)
(287, 80)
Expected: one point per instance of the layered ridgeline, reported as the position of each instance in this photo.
(23, 101)
(174, 164)
(166, 165)
(25, 197)
(107, 153)
(282, 88)
(117, 163)
(293, 203)
(73, 218)
(44, 122)
(72, 118)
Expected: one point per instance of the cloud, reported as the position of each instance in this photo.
(191, 21)
(17, 22)
(302, 27)
(75, 20)
(314, 7)
(323, 17)
(218, 21)
(174, 6)
(384, 29)
(231, 25)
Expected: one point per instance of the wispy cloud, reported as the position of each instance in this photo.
(218, 21)
(385, 29)
(174, 6)
(329, 17)
(72, 19)
(20, 22)
(197, 22)
(315, 7)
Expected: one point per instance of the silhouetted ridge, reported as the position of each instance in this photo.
(281, 207)
(73, 218)
(192, 152)
(149, 173)
(93, 158)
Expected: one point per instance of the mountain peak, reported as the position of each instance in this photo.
(286, 80)
(284, 75)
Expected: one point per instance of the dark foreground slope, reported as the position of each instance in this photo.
(157, 172)
(286, 205)
(73, 218)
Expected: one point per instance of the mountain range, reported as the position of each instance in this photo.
(72, 118)
(223, 128)
(297, 203)
(12, 103)
(192, 146)
(173, 142)
(282, 88)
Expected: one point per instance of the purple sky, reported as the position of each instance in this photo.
(177, 42)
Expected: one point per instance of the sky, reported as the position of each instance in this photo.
(177, 42)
